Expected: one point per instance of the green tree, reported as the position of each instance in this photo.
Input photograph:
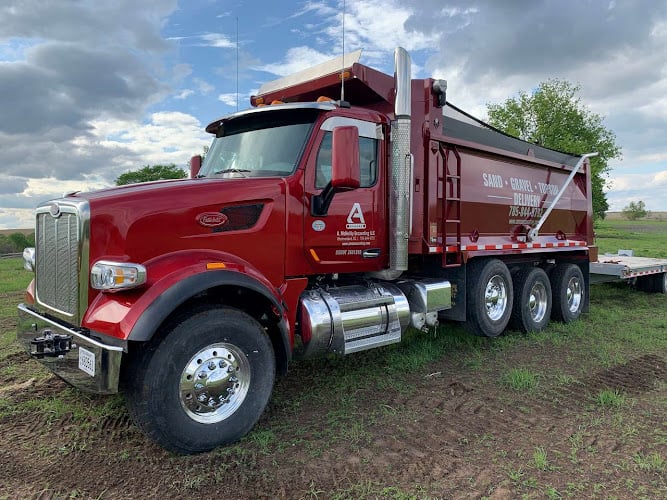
(553, 116)
(151, 173)
(635, 210)
(20, 241)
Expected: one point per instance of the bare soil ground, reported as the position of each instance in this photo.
(447, 430)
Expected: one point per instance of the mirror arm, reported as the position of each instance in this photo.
(320, 203)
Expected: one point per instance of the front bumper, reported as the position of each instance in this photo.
(83, 362)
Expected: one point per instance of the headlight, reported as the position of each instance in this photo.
(29, 259)
(106, 275)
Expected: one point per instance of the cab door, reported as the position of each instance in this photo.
(352, 235)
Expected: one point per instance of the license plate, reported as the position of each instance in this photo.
(87, 361)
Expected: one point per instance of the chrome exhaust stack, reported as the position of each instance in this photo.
(400, 196)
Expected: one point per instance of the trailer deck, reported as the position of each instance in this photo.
(612, 267)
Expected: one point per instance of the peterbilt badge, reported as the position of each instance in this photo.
(54, 210)
(212, 219)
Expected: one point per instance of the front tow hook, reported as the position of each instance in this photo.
(52, 345)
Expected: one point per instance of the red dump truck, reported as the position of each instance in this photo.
(343, 207)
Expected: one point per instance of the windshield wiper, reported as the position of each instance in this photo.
(232, 171)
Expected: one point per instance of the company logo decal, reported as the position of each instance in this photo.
(212, 219)
(54, 210)
(355, 219)
(318, 225)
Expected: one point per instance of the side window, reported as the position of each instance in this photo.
(367, 161)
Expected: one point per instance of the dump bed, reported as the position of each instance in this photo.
(491, 192)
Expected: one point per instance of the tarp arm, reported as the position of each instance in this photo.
(534, 233)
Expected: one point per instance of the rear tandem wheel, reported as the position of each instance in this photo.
(532, 300)
(568, 292)
(489, 297)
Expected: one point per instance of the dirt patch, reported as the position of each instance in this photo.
(446, 431)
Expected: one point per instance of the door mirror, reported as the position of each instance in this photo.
(345, 171)
(195, 166)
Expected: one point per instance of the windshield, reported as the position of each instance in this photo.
(265, 144)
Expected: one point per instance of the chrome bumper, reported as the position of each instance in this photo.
(85, 363)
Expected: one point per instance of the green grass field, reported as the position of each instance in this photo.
(647, 238)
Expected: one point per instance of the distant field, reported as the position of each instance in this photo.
(651, 216)
(12, 231)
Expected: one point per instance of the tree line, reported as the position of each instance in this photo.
(15, 242)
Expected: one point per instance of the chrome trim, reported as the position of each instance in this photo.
(141, 274)
(366, 129)
(81, 209)
(402, 63)
(29, 259)
(353, 318)
(535, 232)
(214, 383)
(107, 358)
(400, 196)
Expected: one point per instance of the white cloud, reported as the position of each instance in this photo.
(218, 40)
(229, 99)
(203, 86)
(651, 188)
(184, 94)
(296, 59)
(167, 137)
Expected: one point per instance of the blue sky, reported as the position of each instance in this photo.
(92, 89)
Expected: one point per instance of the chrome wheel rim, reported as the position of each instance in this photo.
(495, 297)
(214, 383)
(537, 302)
(574, 294)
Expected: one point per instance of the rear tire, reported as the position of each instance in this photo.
(532, 300)
(659, 283)
(568, 292)
(489, 297)
(205, 384)
(652, 283)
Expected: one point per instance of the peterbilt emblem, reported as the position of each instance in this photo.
(212, 219)
(54, 210)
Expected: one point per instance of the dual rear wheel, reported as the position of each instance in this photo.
(525, 301)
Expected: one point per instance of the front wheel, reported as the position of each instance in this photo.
(205, 384)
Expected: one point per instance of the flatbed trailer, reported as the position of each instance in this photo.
(648, 273)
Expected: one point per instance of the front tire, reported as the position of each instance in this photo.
(489, 297)
(205, 384)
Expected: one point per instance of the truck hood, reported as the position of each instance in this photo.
(141, 221)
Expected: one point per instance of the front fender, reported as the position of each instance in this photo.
(171, 298)
(137, 314)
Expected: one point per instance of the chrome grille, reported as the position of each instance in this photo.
(57, 261)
